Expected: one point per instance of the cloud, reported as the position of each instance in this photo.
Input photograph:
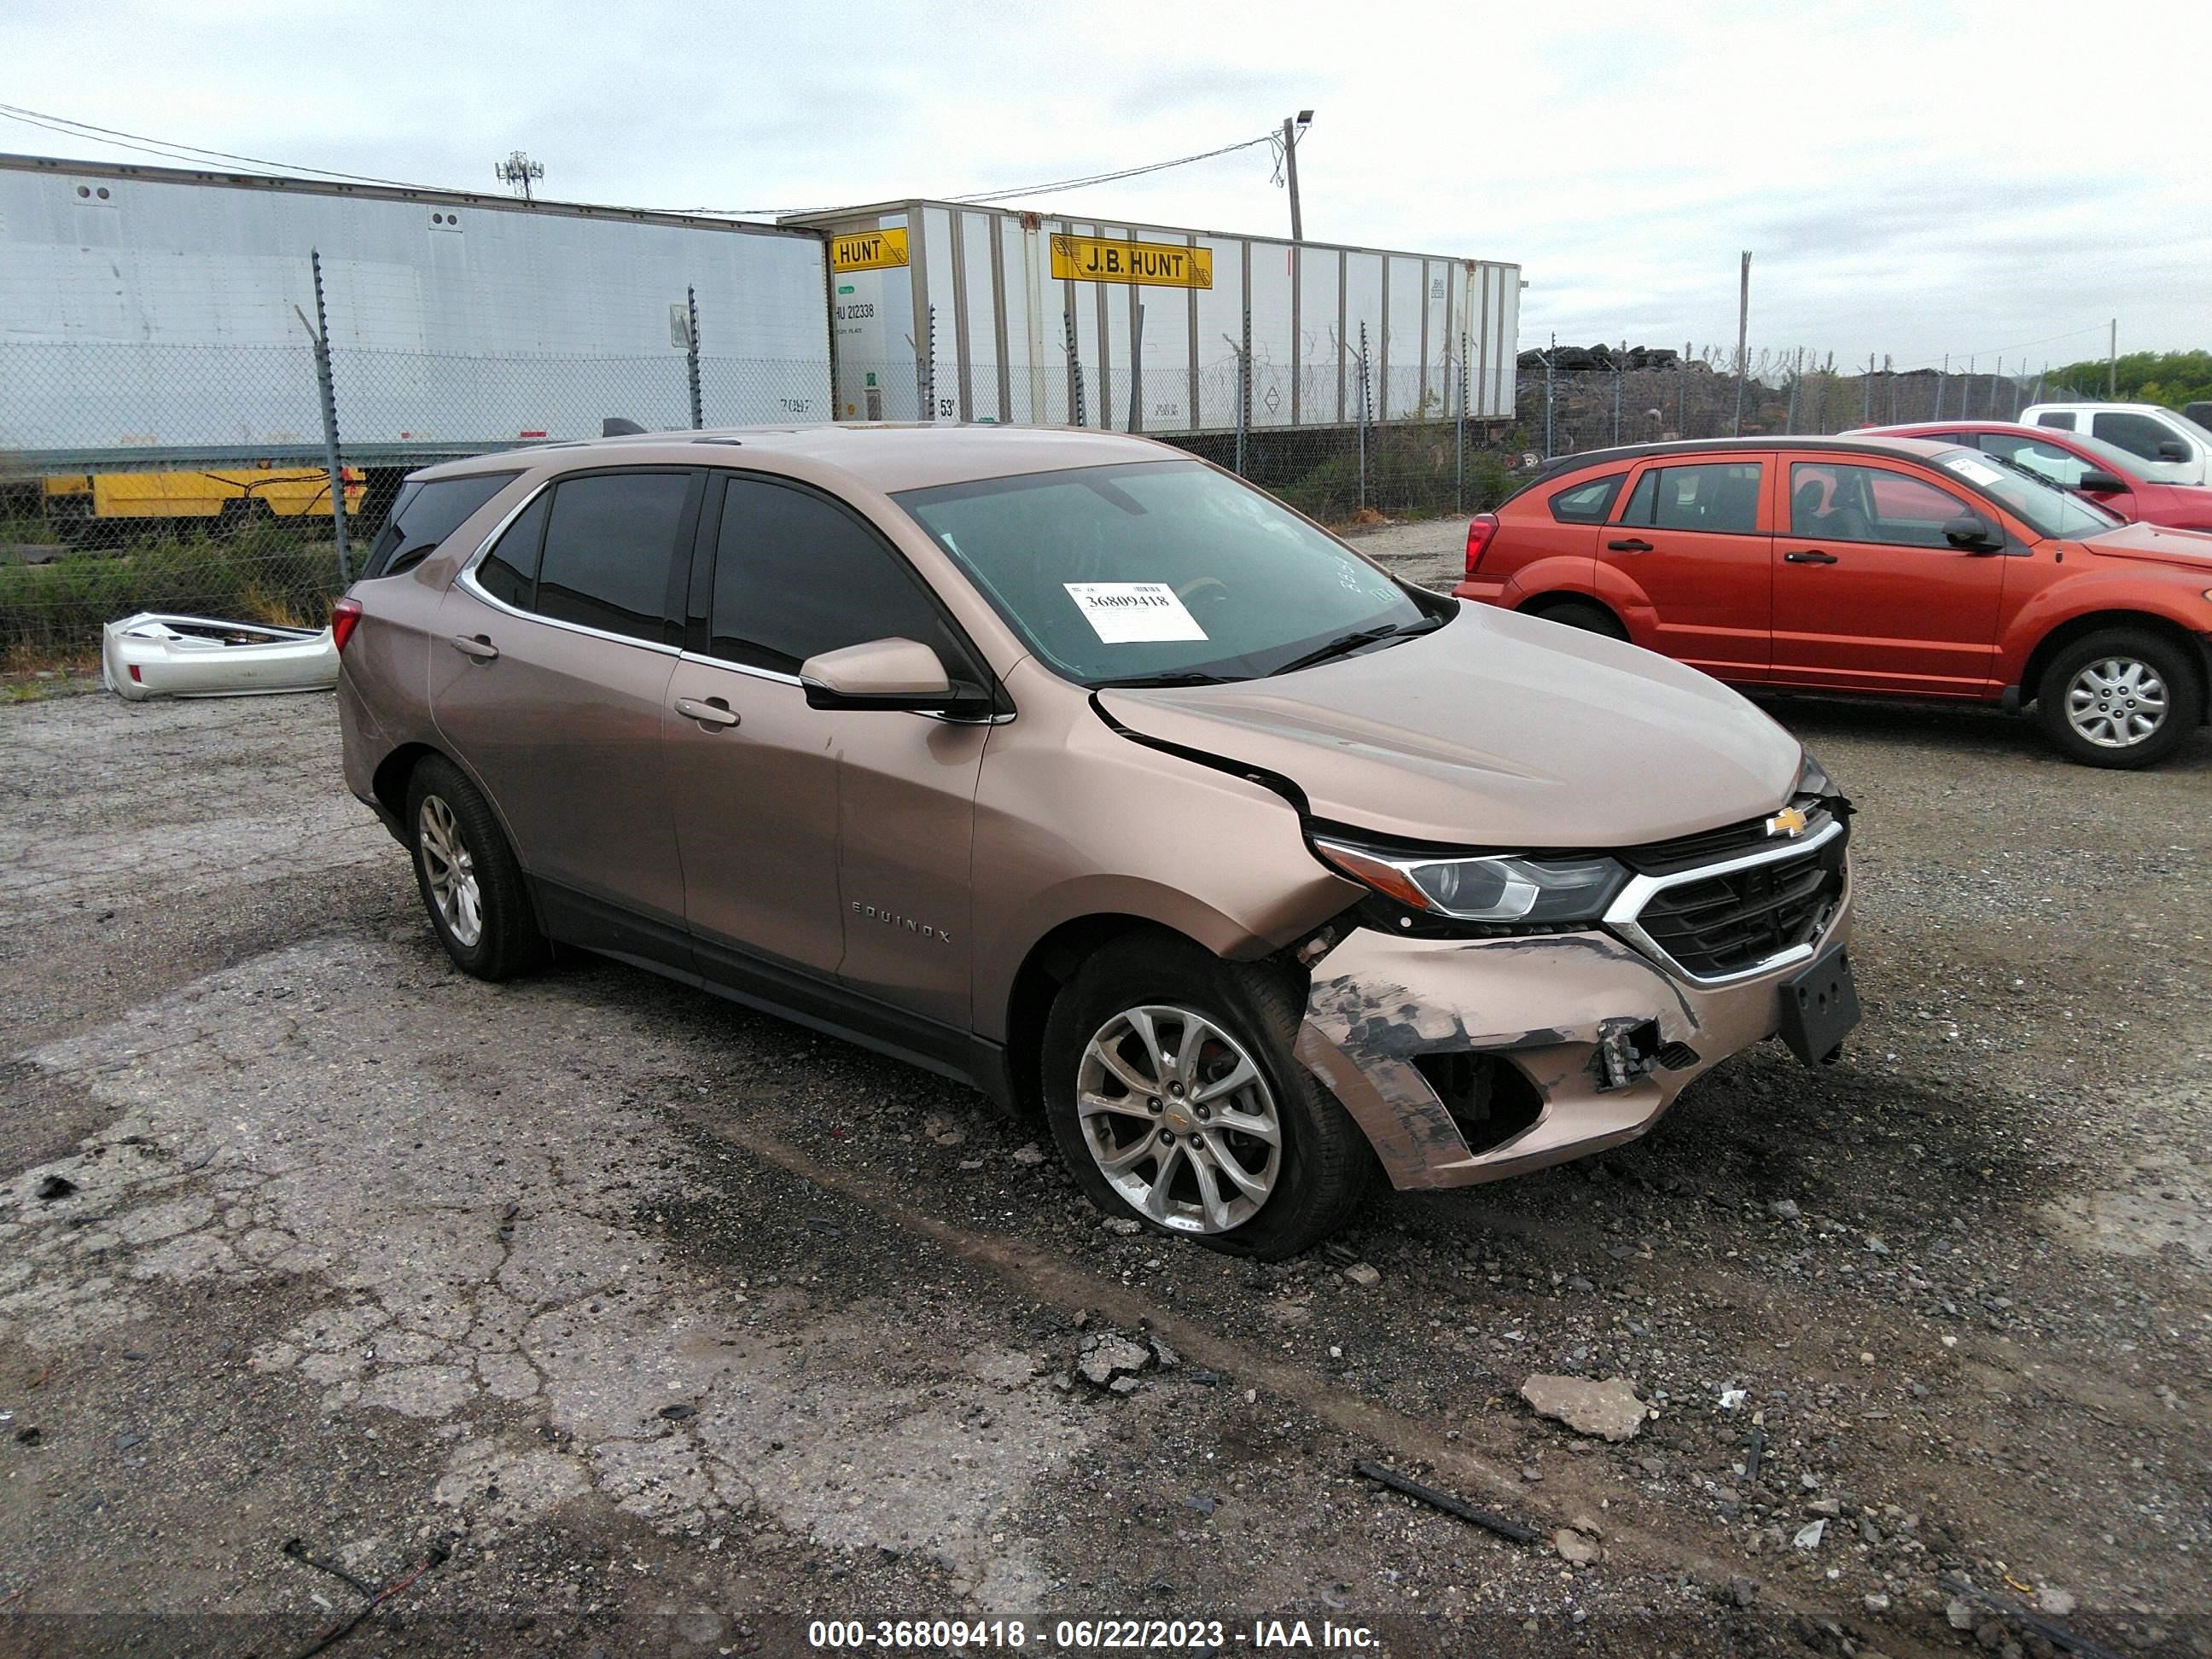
(1899, 170)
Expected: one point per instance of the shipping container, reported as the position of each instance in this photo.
(150, 312)
(955, 311)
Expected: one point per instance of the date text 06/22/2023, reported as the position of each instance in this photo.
(1108, 1635)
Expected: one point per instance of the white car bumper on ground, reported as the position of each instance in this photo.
(154, 654)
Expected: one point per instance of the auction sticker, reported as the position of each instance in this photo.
(1133, 613)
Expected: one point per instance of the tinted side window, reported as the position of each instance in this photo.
(2062, 423)
(2138, 434)
(608, 547)
(1719, 497)
(1869, 504)
(1587, 503)
(427, 512)
(509, 571)
(795, 575)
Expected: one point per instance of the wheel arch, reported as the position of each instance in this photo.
(1051, 962)
(1537, 604)
(2094, 622)
(389, 782)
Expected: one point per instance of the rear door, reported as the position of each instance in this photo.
(1688, 563)
(549, 679)
(1869, 596)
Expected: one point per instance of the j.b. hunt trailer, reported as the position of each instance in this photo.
(953, 311)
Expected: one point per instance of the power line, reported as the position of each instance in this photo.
(175, 151)
(172, 151)
(982, 196)
(1126, 173)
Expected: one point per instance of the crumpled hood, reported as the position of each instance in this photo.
(2189, 549)
(1497, 730)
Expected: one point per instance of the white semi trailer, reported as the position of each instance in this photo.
(157, 314)
(949, 310)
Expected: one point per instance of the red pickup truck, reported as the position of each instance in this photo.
(1894, 566)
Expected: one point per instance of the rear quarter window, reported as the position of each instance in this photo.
(427, 512)
(1587, 502)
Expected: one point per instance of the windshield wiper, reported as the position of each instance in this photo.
(1352, 641)
(1176, 678)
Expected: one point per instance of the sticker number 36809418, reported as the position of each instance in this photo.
(1132, 613)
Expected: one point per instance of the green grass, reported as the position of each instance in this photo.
(53, 612)
(1413, 472)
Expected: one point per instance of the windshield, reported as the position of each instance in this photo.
(2049, 510)
(1158, 570)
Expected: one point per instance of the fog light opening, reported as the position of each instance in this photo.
(1488, 1098)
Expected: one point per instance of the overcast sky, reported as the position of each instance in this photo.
(1913, 179)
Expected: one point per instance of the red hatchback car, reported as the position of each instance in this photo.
(2105, 473)
(1893, 566)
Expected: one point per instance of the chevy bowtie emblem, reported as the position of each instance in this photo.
(1787, 822)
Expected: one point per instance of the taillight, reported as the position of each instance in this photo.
(345, 616)
(1480, 530)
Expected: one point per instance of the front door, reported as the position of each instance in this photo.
(1691, 563)
(834, 842)
(549, 678)
(1869, 595)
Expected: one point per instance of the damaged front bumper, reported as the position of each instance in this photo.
(1466, 1060)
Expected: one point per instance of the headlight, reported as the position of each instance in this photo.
(1813, 778)
(1492, 888)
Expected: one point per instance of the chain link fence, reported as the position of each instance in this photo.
(1574, 399)
(99, 517)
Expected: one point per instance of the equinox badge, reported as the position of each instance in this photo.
(1787, 822)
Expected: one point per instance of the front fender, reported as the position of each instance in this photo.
(2180, 602)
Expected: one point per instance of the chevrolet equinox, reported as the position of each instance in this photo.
(1073, 767)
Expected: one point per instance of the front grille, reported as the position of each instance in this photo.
(1725, 923)
(1667, 858)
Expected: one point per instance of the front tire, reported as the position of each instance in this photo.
(1175, 1099)
(2119, 698)
(468, 876)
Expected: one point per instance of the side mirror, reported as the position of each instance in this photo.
(1973, 534)
(2100, 482)
(890, 674)
(2173, 449)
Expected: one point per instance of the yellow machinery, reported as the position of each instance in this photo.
(220, 501)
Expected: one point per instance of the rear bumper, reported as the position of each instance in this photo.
(1553, 1008)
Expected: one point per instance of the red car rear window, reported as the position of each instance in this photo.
(1587, 502)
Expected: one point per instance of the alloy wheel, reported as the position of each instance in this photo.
(450, 871)
(2116, 702)
(1179, 1119)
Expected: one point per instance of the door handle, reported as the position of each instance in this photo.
(1813, 556)
(474, 644)
(712, 714)
(1630, 545)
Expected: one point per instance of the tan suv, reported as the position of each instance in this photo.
(1071, 766)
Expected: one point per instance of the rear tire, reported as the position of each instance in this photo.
(470, 879)
(2119, 698)
(1585, 614)
(1222, 1021)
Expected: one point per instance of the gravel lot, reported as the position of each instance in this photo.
(653, 1326)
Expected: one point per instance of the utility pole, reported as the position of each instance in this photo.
(517, 171)
(2112, 364)
(1743, 338)
(1294, 127)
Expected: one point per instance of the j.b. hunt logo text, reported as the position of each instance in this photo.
(892, 919)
